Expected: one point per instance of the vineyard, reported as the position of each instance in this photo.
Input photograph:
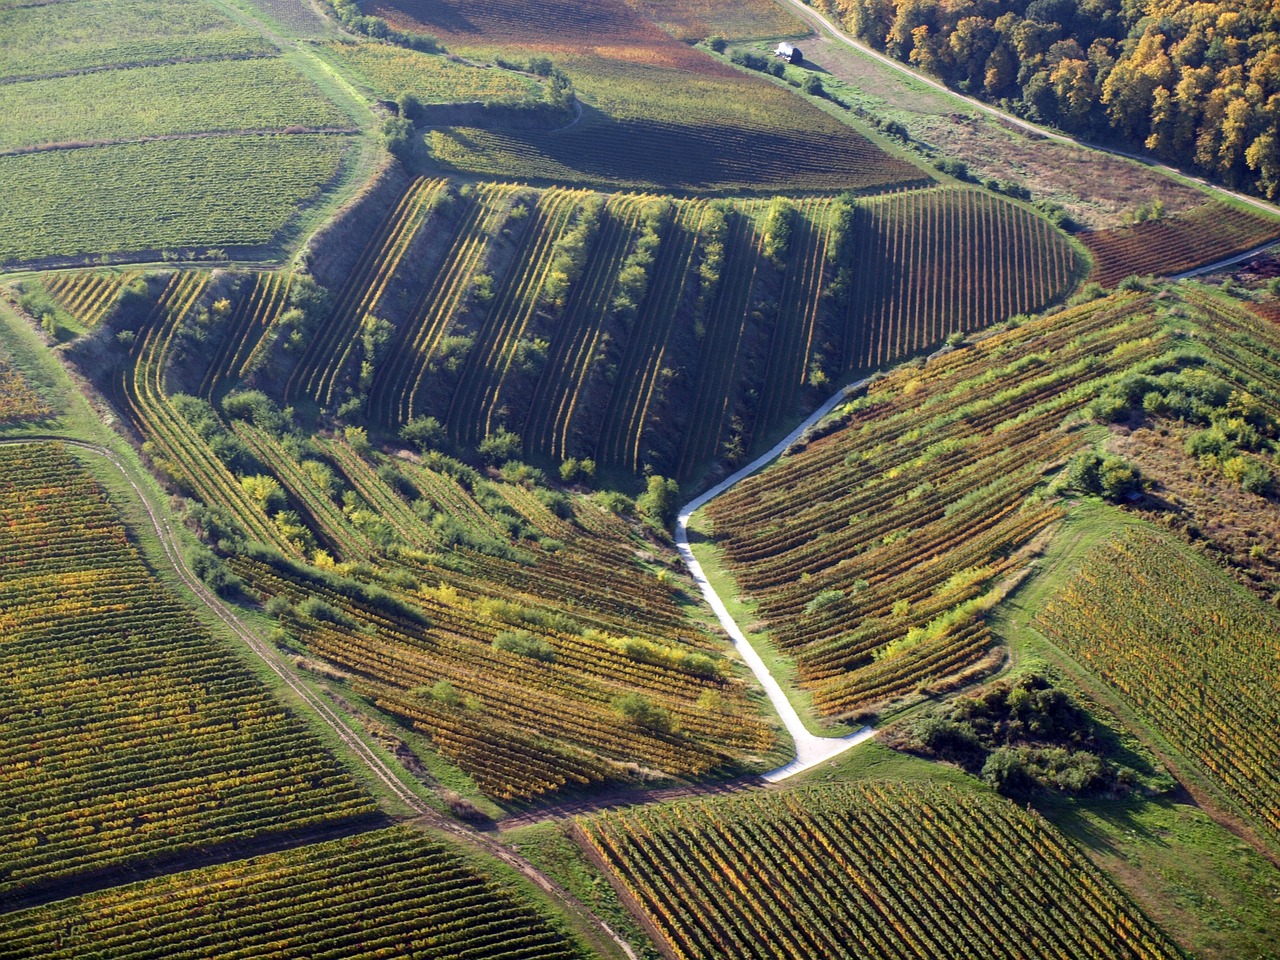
(1194, 656)
(150, 129)
(47, 38)
(391, 71)
(679, 338)
(386, 893)
(87, 295)
(868, 870)
(699, 19)
(645, 91)
(18, 401)
(1170, 245)
(874, 552)
(230, 192)
(513, 629)
(182, 98)
(131, 735)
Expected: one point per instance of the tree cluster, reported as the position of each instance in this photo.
(1189, 81)
(1024, 737)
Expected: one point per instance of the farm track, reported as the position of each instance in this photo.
(811, 750)
(330, 717)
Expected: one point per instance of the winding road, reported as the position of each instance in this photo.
(811, 749)
(588, 921)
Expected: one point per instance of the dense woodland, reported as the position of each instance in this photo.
(1194, 82)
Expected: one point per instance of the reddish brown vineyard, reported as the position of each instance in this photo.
(872, 870)
(1212, 231)
(875, 552)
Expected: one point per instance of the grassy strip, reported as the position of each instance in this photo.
(745, 612)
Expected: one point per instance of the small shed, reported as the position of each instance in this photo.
(788, 53)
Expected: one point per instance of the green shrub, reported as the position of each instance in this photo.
(524, 644)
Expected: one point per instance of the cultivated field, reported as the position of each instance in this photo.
(577, 262)
(235, 193)
(658, 114)
(131, 736)
(44, 39)
(18, 401)
(385, 893)
(867, 870)
(211, 96)
(124, 132)
(1176, 637)
(432, 78)
(1169, 245)
(875, 552)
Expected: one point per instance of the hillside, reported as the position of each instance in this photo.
(638, 331)
(356, 357)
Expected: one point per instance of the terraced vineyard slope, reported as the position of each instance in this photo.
(867, 870)
(531, 640)
(681, 330)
